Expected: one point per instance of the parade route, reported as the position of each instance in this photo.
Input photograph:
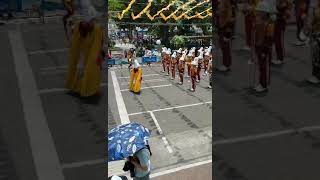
(268, 136)
(180, 120)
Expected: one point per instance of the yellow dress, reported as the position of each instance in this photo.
(135, 80)
(88, 83)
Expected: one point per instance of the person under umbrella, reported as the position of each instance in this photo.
(130, 141)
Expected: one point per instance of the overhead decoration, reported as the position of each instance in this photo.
(186, 7)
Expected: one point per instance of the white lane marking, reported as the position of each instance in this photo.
(53, 68)
(264, 135)
(83, 163)
(54, 90)
(53, 72)
(45, 156)
(142, 76)
(180, 168)
(119, 99)
(149, 87)
(170, 108)
(164, 139)
(156, 122)
(146, 81)
(48, 51)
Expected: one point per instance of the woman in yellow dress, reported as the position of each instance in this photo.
(84, 69)
(135, 77)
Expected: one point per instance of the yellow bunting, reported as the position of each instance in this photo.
(120, 16)
(173, 15)
(143, 11)
(163, 9)
(183, 6)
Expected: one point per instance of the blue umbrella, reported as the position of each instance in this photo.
(125, 140)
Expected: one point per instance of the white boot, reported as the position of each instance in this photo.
(223, 68)
(314, 80)
(276, 62)
(259, 88)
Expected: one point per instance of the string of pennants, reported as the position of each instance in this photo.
(184, 7)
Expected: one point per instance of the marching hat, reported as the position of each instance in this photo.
(164, 49)
(174, 55)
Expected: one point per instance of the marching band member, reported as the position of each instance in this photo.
(315, 45)
(179, 54)
(173, 65)
(234, 6)
(181, 65)
(135, 77)
(210, 70)
(200, 62)
(301, 10)
(188, 62)
(168, 61)
(193, 73)
(225, 23)
(263, 43)
(249, 18)
(207, 57)
(283, 15)
(163, 58)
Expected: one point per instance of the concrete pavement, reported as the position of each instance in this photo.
(180, 120)
(274, 136)
(75, 130)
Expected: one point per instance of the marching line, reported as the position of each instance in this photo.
(170, 108)
(123, 77)
(149, 87)
(44, 153)
(188, 166)
(48, 51)
(83, 163)
(149, 80)
(54, 90)
(264, 135)
(119, 99)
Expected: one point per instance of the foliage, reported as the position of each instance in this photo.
(178, 41)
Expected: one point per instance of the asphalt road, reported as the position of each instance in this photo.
(180, 120)
(269, 137)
